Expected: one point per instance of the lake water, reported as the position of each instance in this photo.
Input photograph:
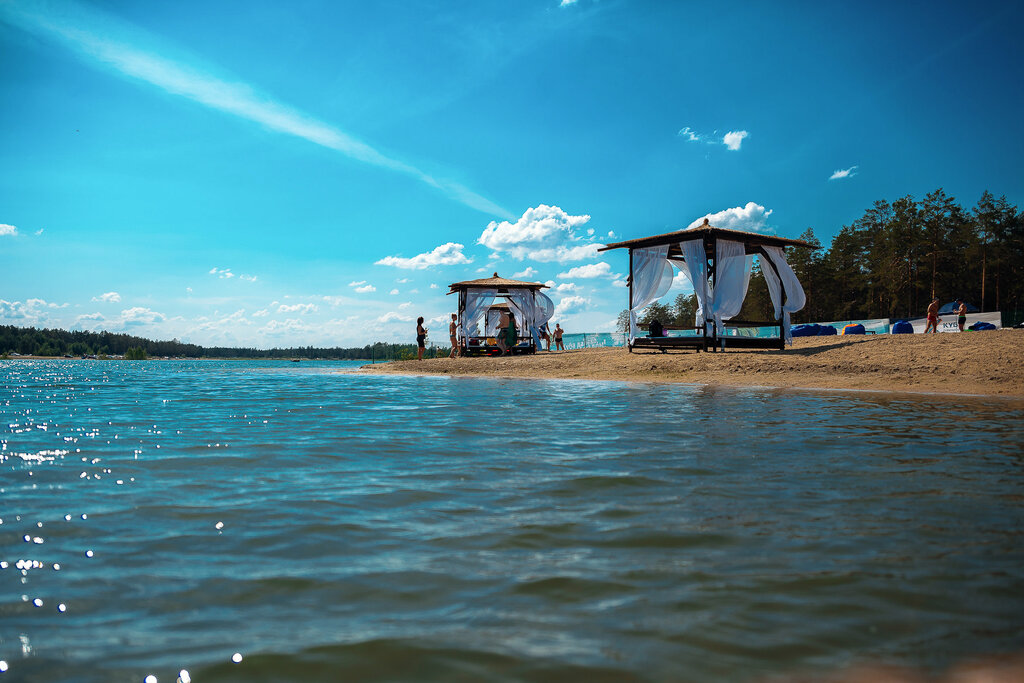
(323, 525)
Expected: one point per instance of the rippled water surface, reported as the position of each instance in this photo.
(324, 525)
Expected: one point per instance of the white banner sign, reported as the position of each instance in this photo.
(948, 323)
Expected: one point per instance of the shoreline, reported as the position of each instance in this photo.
(974, 364)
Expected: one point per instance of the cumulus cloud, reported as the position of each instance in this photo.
(567, 287)
(298, 308)
(448, 254)
(141, 316)
(844, 173)
(393, 292)
(750, 218)
(262, 313)
(590, 270)
(222, 273)
(109, 297)
(433, 286)
(366, 289)
(8, 229)
(569, 305)
(30, 312)
(530, 271)
(393, 317)
(734, 138)
(545, 233)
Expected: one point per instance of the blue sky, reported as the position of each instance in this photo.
(277, 174)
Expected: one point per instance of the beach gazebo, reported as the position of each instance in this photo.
(529, 306)
(717, 263)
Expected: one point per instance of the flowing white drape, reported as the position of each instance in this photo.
(695, 267)
(732, 276)
(477, 301)
(491, 321)
(523, 304)
(544, 309)
(795, 296)
(652, 277)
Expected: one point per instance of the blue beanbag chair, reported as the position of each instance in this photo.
(902, 327)
(853, 328)
(826, 330)
(979, 326)
(805, 330)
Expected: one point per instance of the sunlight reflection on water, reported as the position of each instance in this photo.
(189, 512)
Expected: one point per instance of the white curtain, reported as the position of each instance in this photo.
(795, 297)
(732, 275)
(544, 308)
(491, 321)
(477, 301)
(695, 267)
(522, 304)
(652, 277)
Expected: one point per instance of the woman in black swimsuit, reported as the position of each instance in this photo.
(421, 337)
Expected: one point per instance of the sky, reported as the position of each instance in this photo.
(267, 174)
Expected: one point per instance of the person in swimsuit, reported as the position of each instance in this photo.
(421, 338)
(558, 337)
(933, 317)
(961, 313)
(452, 330)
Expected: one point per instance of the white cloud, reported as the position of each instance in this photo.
(567, 287)
(448, 254)
(141, 316)
(301, 309)
(392, 317)
(734, 138)
(567, 3)
(407, 304)
(433, 286)
(111, 44)
(393, 292)
(590, 270)
(188, 290)
(570, 304)
(357, 283)
(750, 218)
(620, 283)
(366, 289)
(247, 278)
(223, 273)
(529, 272)
(8, 229)
(844, 173)
(38, 232)
(690, 135)
(109, 297)
(545, 233)
(402, 280)
(262, 313)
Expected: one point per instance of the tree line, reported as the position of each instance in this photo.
(29, 341)
(892, 261)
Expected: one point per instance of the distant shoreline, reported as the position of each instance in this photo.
(965, 364)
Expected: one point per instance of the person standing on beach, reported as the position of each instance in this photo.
(452, 331)
(421, 338)
(933, 317)
(558, 337)
(961, 314)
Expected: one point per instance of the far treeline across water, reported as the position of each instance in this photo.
(892, 261)
(29, 341)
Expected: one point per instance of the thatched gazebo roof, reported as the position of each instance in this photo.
(751, 240)
(495, 282)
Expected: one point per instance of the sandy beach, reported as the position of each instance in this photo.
(978, 363)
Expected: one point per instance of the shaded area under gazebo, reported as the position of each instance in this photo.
(487, 297)
(717, 262)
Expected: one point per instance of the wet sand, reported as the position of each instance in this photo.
(977, 363)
